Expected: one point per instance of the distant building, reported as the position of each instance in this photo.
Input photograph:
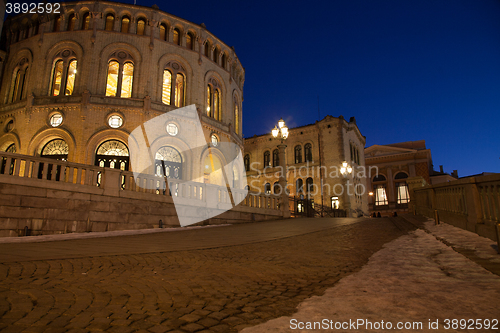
(395, 163)
(314, 155)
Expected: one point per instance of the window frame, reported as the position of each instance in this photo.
(122, 60)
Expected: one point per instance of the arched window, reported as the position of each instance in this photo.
(177, 37)
(120, 75)
(72, 22)
(216, 54)
(246, 161)
(309, 185)
(267, 159)
(112, 154)
(168, 162)
(174, 84)
(298, 154)
(380, 190)
(19, 81)
(224, 60)
(110, 22)
(141, 26)
(267, 188)
(57, 23)
(207, 49)
(276, 158)
(299, 186)
(63, 74)
(56, 149)
(125, 24)
(308, 152)
(190, 41)
(236, 115)
(379, 178)
(214, 99)
(163, 31)
(86, 21)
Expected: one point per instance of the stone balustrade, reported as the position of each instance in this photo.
(51, 196)
(470, 203)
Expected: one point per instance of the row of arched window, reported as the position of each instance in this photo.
(401, 187)
(299, 158)
(119, 83)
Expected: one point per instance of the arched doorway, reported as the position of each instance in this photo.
(168, 162)
(113, 154)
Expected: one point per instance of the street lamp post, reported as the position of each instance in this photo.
(280, 132)
(346, 170)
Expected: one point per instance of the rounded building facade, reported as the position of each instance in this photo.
(76, 84)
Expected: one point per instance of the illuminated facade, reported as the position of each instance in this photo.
(76, 84)
(314, 157)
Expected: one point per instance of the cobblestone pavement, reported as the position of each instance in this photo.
(206, 290)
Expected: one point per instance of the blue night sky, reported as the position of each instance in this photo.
(406, 69)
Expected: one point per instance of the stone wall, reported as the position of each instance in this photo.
(82, 198)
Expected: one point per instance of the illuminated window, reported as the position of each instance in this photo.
(380, 195)
(298, 154)
(236, 115)
(125, 24)
(72, 22)
(57, 23)
(110, 22)
(177, 37)
(64, 74)
(190, 41)
(18, 83)
(86, 21)
(57, 77)
(215, 140)
(70, 82)
(267, 159)
(127, 78)
(276, 158)
(308, 152)
(214, 99)
(403, 195)
(141, 25)
(172, 129)
(163, 31)
(173, 90)
(113, 154)
(120, 75)
(335, 202)
(267, 188)
(56, 119)
(246, 161)
(115, 121)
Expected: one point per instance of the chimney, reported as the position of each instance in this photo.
(454, 174)
(441, 169)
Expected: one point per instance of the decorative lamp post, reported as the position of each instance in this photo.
(280, 132)
(346, 170)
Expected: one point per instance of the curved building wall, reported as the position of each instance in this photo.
(99, 62)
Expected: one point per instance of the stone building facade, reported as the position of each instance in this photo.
(395, 163)
(76, 84)
(314, 156)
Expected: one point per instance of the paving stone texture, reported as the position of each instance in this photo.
(217, 289)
